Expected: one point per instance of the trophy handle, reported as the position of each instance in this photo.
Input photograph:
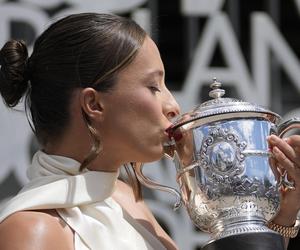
(288, 125)
(154, 185)
(284, 182)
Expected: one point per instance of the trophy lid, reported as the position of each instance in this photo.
(219, 108)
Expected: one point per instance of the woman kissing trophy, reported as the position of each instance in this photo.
(227, 185)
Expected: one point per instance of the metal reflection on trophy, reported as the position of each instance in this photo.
(221, 156)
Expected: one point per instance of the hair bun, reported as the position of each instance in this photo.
(13, 77)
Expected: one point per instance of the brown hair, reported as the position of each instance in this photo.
(78, 51)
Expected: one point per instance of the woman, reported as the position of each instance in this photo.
(95, 88)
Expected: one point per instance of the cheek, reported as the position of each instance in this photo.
(139, 114)
(149, 109)
(139, 105)
(144, 120)
(137, 122)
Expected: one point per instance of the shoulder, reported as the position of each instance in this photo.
(35, 230)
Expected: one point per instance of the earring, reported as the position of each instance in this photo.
(96, 146)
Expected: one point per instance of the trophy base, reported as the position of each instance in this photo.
(248, 241)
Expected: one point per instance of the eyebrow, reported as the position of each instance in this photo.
(156, 72)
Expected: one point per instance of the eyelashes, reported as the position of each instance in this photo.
(154, 89)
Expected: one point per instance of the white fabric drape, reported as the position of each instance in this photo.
(83, 201)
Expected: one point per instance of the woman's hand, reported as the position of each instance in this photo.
(286, 158)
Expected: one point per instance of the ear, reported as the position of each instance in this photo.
(91, 104)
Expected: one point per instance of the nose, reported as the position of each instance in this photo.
(170, 107)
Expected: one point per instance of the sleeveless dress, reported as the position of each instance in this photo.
(83, 200)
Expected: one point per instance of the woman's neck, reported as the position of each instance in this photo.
(78, 148)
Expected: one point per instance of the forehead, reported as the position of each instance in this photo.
(147, 60)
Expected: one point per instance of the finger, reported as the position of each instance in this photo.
(284, 147)
(272, 140)
(294, 141)
(273, 165)
(283, 161)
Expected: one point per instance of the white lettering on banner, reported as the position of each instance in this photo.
(201, 7)
(28, 14)
(43, 3)
(297, 2)
(265, 38)
(90, 5)
(218, 29)
(141, 15)
(116, 6)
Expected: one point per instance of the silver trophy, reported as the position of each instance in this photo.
(221, 157)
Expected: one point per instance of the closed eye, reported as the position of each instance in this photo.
(154, 89)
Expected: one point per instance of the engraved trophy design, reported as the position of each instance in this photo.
(226, 183)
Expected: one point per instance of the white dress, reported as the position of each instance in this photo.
(83, 200)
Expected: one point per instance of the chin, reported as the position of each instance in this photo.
(153, 154)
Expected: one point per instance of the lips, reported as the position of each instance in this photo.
(174, 134)
(170, 131)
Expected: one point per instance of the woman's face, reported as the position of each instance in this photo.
(138, 109)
